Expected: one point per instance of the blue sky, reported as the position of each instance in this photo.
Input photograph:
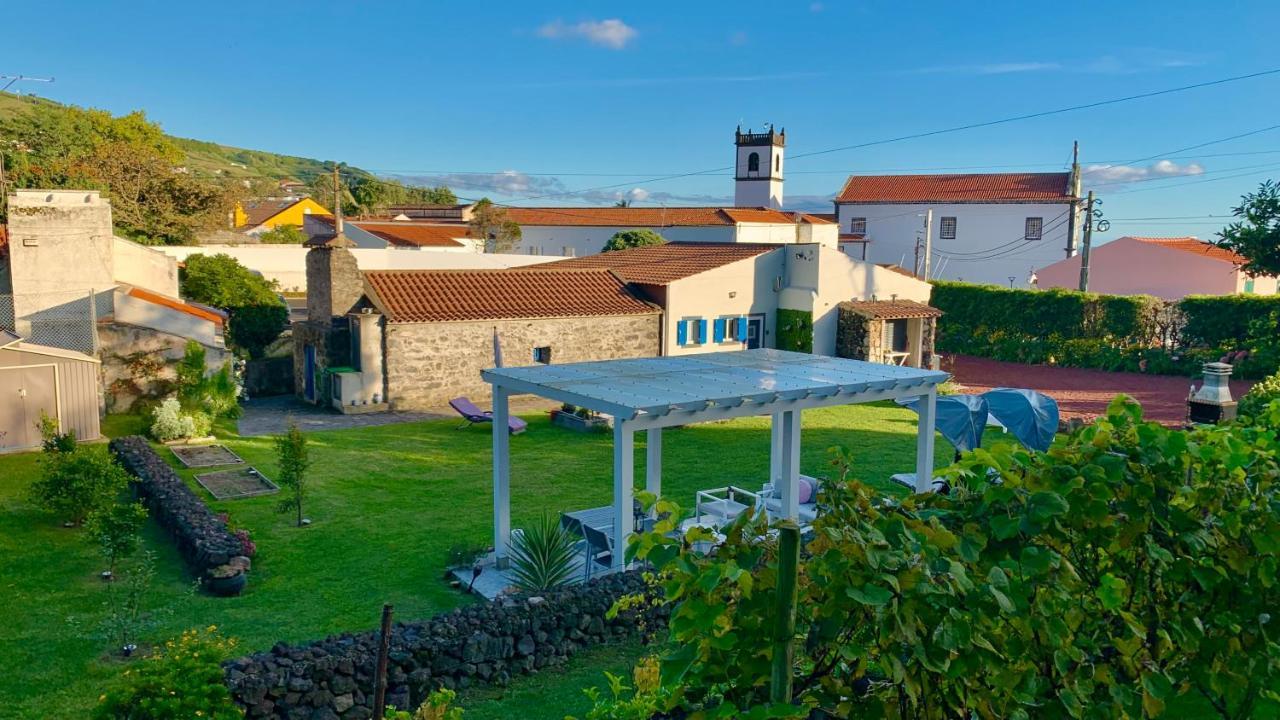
(532, 99)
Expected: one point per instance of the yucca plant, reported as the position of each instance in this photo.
(542, 555)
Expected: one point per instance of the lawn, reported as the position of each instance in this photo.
(388, 504)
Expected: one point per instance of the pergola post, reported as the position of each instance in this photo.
(928, 407)
(623, 489)
(775, 450)
(653, 462)
(501, 476)
(789, 463)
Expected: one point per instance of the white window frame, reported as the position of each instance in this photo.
(854, 223)
(1038, 223)
(945, 233)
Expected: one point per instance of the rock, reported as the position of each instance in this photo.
(537, 600)
(343, 703)
(526, 645)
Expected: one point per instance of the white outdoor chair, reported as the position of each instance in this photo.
(722, 505)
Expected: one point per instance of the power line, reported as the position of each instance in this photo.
(1176, 177)
(1205, 144)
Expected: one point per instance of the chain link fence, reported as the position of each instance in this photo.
(65, 320)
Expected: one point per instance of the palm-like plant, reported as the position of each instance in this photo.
(542, 555)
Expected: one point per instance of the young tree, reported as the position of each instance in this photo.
(73, 484)
(283, 235)
(626, 239)
(292, 457)
(114, 529)
(490, 224)
(1255, 235)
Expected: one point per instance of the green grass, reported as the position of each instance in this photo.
(387, 504)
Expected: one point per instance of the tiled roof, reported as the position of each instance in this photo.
(1191, 245)
(893, 267)
(644, 217)
(257, 212)
(411, 234)
(892, 309)
(852, 237)
(814, 218)
(445, 295)
(176, 304)
(4, 235)
(829, 217)
(666, 263)
(972, 188)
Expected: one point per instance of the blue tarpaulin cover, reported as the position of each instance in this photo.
(1032, 417)
(960, 418)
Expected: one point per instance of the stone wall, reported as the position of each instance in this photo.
(852, 334)
(429, 364)
(138, 363)
(333, 349)
(928, 335)
(333, 678)
(334, 283)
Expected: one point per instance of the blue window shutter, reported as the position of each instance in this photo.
(742, 329)
(702, 331)
(682, 332)
(718, 330)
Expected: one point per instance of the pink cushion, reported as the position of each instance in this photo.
(807, 490)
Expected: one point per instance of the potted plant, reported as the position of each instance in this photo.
(579, 418)
(226, 580)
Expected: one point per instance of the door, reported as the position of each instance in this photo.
(25, 392)
(755, 331)
(309, 372)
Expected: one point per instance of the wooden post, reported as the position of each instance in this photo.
(784, 628)
(380, 680)
(928, 244)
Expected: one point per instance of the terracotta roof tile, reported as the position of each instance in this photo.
(411, 234)
(664, 264)
(643, 217)
(259, 211)
(892, 267)
(176, 304)
(448, 295)
(972, 188)
(814, 218)
(892, 309)
(1191, 245)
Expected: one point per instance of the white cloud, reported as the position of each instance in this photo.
(990, 68)
(611, 33)
(1130, 61)
(674, 80)
(1114, 174)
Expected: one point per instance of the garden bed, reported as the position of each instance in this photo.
(236, 483)
(197, 456)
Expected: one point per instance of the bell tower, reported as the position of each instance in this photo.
(757, 178)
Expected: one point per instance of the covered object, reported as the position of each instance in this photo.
(35, 379)
(1032, 417)
(960, 418)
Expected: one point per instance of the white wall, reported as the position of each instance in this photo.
(745, 287)
(755, 192)
(577, 240)
(61, 246)
(145, 267)
(988, 247)
(842, 278)
(138, 312)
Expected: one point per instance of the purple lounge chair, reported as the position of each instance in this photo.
(474, 415)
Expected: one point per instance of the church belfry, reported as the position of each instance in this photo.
(758, 171)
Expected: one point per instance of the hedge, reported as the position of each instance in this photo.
(203, 540)
(1110, 332)
(795, 330)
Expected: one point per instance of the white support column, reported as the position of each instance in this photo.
(775, 450)
(501, 476)
(928, 406)
(653, 461)
(790, 465)
(623, 486)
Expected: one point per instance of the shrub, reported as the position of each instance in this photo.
(627, 239)
(115, 529)
(1259, 397)
(125, 614)
(642, 702)
(75, 483)
(256, 313)
(182, 680)
(542, 555)
(252, 328)
(169, 422)
(292, 456)
(435, 707)
(52, 439)
(795, 330)
(283, 235)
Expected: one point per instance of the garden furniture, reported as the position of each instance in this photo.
(1031, 417)
(599, 548)
(724, 503)
(808, 506)
(474, 416)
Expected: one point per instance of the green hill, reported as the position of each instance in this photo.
(207, 158)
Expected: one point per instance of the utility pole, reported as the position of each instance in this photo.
(1075, 198)
(337, 202)
(1088, 241)
(928, 242)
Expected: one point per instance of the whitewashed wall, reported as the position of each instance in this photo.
(745, 287)
(145, 267)
(893, 230)
(576, 240)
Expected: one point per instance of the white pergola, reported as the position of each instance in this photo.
(653, 393)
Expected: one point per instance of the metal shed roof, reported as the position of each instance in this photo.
(745, 380)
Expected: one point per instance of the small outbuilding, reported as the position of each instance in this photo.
(38, 379)
(895, 332)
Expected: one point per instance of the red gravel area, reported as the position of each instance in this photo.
(1084, 393)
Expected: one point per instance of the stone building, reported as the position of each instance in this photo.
(898, 332)
(415, 339)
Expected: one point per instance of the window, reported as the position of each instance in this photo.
(777, 163)
(947, 231)
(858, 226)
(1035, 228)
(568, 251)
(542, 355)
(753, 163)
(1248, 286)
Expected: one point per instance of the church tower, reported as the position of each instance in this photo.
(758, 171)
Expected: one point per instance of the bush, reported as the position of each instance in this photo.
(283, 235)
(542, 555)
(115, 530)
(627, 239)
(170, 423)
(795, 330)
(257, 314)
(75, 483)
(203, 540)
(253, 327)
(435, 707)
(293, 460)
(182, 680)
(1260, 396)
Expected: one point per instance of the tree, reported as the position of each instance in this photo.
(114, 529)
(283, 235)
(627, 239)
(292, 457)
(490, 224)
(75, 483)
(257, 314)
(1255, 236)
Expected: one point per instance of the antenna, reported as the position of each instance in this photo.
(15, 78)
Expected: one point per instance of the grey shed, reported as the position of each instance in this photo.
(63, 384)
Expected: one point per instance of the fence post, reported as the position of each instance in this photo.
(93, 322)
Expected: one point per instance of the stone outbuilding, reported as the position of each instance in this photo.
(897, 332)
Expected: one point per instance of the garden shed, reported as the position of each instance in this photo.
(897, 332)
(35, 379)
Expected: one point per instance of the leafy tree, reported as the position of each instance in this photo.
(283, 235)
(257, 313)
(125, 604)
(626, 239)
(1255, 236)
(114, 529)
(292, 457)
(190, 372)
(490, 224)
(73, 484)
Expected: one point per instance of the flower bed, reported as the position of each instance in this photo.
(475, 644)
(203, 540)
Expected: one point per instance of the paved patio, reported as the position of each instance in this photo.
(1085, 393)
(270, 416)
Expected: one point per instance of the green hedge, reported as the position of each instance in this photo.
(795, 330)
(1109, 332)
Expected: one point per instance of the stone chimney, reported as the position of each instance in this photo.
(334, 282)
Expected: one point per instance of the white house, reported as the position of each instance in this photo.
(986, 228)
